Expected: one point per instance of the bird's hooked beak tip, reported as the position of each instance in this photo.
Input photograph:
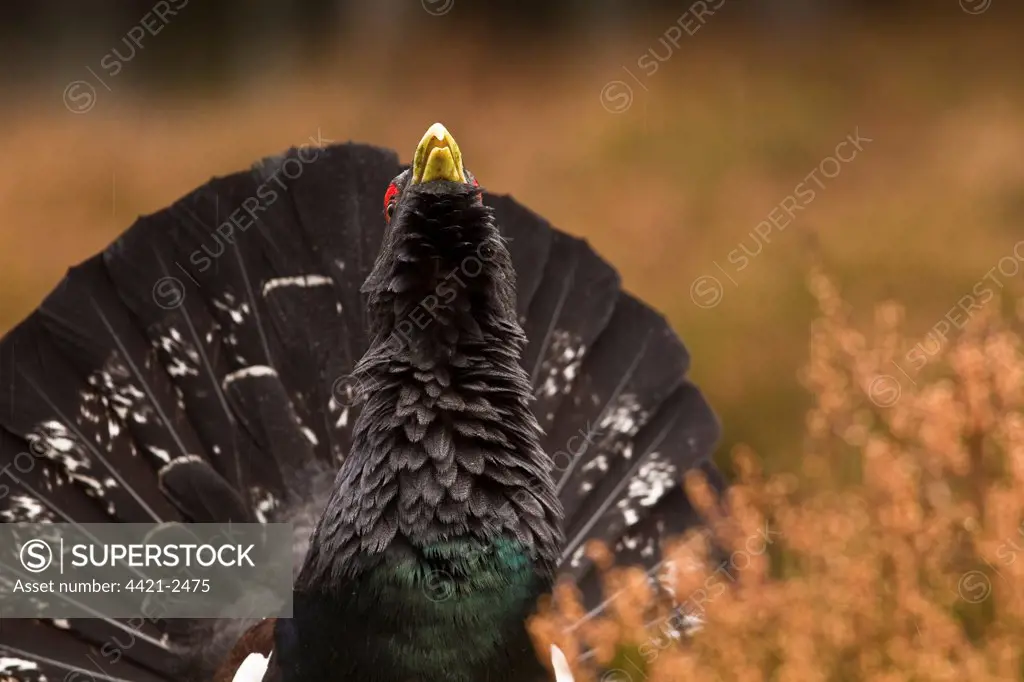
(437, 157)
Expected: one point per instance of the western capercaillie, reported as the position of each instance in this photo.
(449, 391)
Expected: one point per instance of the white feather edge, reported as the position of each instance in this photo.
(253, 668)
(560, 665)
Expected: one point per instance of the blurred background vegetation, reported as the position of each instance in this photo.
(112, 110)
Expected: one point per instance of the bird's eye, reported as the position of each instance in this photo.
(390, 198)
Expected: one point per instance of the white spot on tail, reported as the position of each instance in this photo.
(561, 364)
(253, 371)
(159, 453)
(9, 664)
(299, 281)
(625, 417)
(179, 461)
(655, 478)
(58, 445)
(25, 509)
(265, 502)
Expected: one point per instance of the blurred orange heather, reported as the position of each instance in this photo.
(891, 556)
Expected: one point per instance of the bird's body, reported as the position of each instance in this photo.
(460, 534)
(441, 472)
(444, 616)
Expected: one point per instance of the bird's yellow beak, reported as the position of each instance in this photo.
(437, 157)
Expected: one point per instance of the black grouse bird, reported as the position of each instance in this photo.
(273, 348)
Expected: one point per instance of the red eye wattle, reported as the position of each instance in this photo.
(389, 196)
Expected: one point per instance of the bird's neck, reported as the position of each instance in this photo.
(444, 287)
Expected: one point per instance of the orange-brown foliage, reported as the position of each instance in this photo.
(892, 556)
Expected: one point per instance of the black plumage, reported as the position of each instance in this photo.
(269, 348)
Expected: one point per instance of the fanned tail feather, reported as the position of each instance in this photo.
(199, 370)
